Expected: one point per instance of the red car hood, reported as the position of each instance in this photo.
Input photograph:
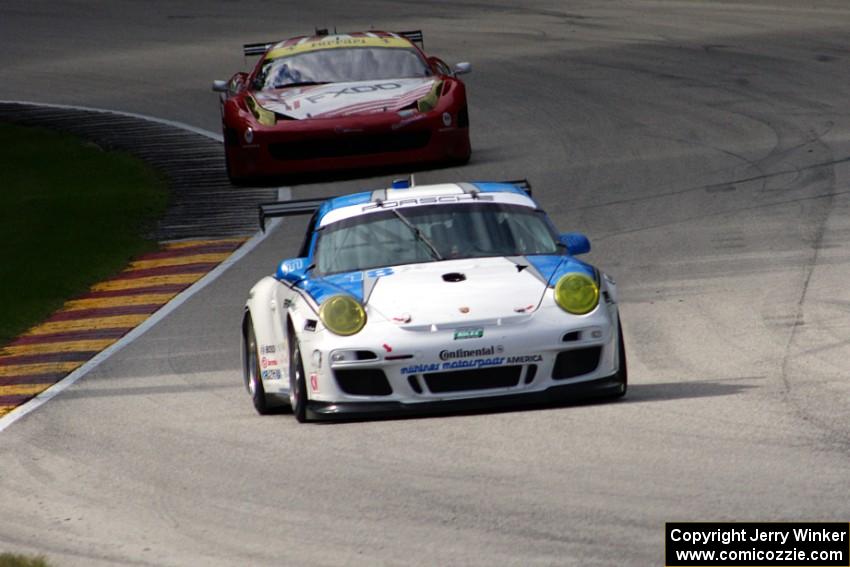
(345, 99)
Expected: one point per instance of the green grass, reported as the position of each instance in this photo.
(70, 215)
(15, 560)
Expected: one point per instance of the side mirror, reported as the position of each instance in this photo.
(462, 68)
(219, 86)
(576, 243)
(293, 270)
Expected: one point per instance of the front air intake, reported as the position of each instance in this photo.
(484, 379)
(363, 382)
(572, 363)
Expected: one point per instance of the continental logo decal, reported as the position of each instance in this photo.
(470, 352)
(336, 42)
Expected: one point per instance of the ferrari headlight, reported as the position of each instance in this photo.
(576, 293)
(263, 116)
(342, 315)
(428, 102)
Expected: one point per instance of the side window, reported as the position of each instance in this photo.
(440, 65)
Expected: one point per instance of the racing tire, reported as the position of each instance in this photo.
(251, 370)
(622, 372)
(297, 383)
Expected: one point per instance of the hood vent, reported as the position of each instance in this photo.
(454, 277)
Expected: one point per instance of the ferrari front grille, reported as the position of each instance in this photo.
(349, 145)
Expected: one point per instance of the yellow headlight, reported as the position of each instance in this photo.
(342, 315)
(428, 102)
(576, 293)
(263, 116)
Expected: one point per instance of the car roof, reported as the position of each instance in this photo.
(307, 43)
(356, 204)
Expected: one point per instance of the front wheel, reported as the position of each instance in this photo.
(297, 383)
(251, 370)
(622, 372)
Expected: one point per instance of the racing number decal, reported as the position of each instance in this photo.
(377, 273)
(380, 273)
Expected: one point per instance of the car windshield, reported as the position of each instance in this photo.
(340, 65)
(454, 231)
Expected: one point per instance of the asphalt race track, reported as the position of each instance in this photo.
(704, 147)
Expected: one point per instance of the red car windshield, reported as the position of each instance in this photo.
(341, 65)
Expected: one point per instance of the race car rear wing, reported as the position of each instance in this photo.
(413, 36)
(259, 48)
(523, 184)
(288, 209)
(250, 49)
(256, 48)
(296, 207)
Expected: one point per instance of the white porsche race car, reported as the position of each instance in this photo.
(424, 298)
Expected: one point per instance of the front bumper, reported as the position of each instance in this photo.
(316, 146)
(536, 358)
(609, 386)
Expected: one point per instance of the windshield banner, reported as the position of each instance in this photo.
(343, 99)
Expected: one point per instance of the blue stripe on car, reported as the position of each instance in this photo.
(320, 289)
(499, 188)
(344, 201)
(553, 267)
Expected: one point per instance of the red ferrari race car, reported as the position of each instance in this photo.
(342, 101)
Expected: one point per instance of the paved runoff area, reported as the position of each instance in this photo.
(84, 326)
